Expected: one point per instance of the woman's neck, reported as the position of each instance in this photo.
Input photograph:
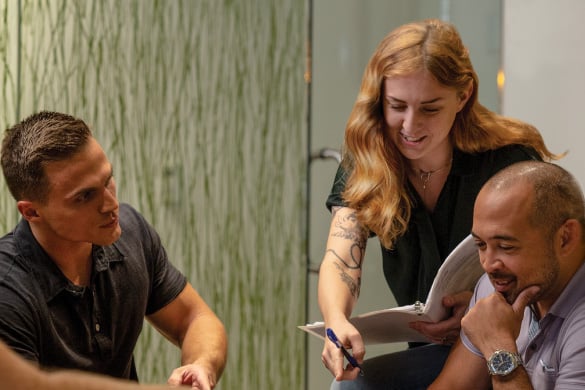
(432, 162)
(428, 179)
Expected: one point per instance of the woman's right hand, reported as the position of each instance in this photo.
(332, 356)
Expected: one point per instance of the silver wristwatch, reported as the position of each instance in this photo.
(503, 362)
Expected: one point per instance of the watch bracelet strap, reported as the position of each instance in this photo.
(517, 358)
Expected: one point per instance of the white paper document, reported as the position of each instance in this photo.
(459, 272)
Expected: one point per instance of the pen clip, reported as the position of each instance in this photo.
(546, 367)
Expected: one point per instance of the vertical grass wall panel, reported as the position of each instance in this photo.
(200, 105)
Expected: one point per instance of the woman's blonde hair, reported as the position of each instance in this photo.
(376, 185)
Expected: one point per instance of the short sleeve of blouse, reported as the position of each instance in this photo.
(335, 197)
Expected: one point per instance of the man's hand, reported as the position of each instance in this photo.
(494, 324)
(194, 375)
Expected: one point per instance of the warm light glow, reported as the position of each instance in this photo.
(501, 79)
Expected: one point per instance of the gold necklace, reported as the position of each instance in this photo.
(425, 176)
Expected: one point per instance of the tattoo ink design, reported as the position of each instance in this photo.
(348, 227)
(353, 285)
(354, 262)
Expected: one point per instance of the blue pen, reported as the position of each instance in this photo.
(338, 344)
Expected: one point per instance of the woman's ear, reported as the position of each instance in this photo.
(464, 96)
(27, 210)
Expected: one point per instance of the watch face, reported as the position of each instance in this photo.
(502, 363)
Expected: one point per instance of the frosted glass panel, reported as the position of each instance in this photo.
(200, 106)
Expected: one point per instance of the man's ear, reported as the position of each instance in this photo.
(27, 209)
(569, 235)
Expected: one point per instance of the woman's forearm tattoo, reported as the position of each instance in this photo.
(348, 227)
(353, 285)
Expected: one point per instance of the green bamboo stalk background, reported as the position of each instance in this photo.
(201, 107)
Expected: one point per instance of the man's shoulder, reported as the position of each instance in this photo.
(8, 245)
(12, 263)
(8, 241)
(131, 219)
(19, 281)
(576, 314)
(128, 211)
(136, 230)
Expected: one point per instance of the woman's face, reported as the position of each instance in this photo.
(420, 112)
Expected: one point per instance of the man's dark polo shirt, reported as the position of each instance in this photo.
(47, 319)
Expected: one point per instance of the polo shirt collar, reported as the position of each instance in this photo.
(50, 278)
(572, 294)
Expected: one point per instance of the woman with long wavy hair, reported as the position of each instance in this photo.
(418, 147)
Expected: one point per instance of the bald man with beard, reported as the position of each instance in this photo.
(525, 326)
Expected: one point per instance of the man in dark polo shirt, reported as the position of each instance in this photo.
(80, 271)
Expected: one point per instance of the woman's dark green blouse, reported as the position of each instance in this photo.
(412, 264)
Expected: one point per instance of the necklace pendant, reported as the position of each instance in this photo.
(424, 178)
